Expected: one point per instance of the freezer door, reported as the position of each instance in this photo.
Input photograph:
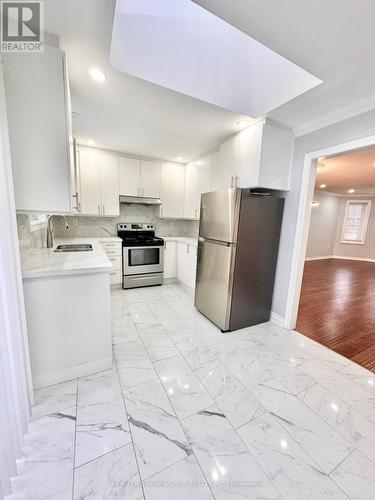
(219, 215)
(215, 264)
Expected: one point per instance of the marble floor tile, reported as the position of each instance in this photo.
(183, 481)
(237, 403)
(342, 386)
(354, 427)
(292, 471)
(101, 427)
(54, 398)
(185, 391)
(228, 465)
(46, 465)
(318, 439)
(190, 412)
(356, 477)
(158, 438)
(114, 475)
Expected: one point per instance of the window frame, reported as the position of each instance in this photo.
(362, 241)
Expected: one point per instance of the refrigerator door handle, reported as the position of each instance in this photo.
(217, 242)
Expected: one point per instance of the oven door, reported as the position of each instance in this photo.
(139, 260)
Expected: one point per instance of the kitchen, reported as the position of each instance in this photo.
(153, 351)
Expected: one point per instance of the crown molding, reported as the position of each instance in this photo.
(345, 112)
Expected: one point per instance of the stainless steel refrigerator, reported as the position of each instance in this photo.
(239, 235)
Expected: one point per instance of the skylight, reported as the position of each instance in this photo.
(179, 45)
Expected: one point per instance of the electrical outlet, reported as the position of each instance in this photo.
(75, 221)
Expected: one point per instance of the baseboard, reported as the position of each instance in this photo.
(72, 372)
(277, 319)
(343, 257)
(323, 257)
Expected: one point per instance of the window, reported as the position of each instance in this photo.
(355, 222)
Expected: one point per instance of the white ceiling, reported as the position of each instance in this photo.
(181, 46)
(333, 40)
(354, 170)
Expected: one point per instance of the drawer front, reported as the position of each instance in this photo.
(112, 248)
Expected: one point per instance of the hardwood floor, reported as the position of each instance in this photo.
(337, 307)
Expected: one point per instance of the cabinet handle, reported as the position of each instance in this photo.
(231, 182)
(187, 249)
(103, 209)
(237, 180)
(161, 212)
(99, 209)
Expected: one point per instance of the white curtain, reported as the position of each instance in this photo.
(15, 385)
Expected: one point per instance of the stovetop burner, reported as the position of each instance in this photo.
(134, 235)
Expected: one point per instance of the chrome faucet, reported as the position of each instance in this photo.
(50, 229)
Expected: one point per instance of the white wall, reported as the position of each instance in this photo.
(366, 251)
(323, 226)
(353, 128)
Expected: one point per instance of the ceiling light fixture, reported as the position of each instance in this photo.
(97, 75)
(322, 186)
(351, 191)
(180, 158)
(91, 142)
(199, 163)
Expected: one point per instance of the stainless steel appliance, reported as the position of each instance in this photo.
(237, 251)
(142, 255)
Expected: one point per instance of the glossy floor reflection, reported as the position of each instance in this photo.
(191, 413)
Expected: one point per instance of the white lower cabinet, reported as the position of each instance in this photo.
(186, 264)
(170, 259)
(113, 249)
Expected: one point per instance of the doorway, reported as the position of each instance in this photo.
(338, 286)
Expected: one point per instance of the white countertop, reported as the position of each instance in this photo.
(44, 262)
(189, 241)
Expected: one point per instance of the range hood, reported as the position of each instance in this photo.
(141, 200)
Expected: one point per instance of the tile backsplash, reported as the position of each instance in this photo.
(82, 226)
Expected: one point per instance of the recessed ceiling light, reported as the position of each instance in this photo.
(322, 186)
(351, 191)
(180, 158)
(91, 142)
(97, 75)
(199, 163)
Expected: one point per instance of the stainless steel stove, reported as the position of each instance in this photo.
(142, 255)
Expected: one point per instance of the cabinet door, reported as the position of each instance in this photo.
(191, 265)
(205, 175)
(249, 144)
(192, 190)
(89, 170)
(109, 181)
(37, 110)
(170, 259)
(182, 270)
(172, 190)
(227, 167)
(150, 179)
(130, 176)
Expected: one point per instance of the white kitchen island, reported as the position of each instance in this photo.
(68, 312)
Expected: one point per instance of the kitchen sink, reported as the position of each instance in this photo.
(81, 247)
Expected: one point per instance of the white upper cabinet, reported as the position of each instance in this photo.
(99, 183)
(192, 191)
(172, 190)
(139, 178)
(197, 181)
(37, 97)
(259, 156)
(150, 179)
(109, 183)
(130, 176)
